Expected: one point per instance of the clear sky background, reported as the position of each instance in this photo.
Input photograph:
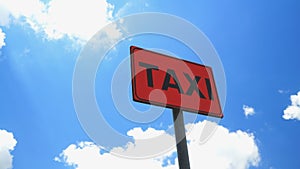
(258, 43)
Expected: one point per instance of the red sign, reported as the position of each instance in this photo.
(166, 81)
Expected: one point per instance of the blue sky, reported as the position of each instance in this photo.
(257, 42)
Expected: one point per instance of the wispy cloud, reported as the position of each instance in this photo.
(293, 110)
(132, 7)
(281, 91)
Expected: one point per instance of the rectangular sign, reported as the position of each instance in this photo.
(166, 81)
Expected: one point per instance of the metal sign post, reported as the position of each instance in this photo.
(182, 151)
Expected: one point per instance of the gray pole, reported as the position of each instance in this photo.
(182, 151)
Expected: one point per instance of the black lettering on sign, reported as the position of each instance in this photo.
(167, 83)
(193, 85)
(149, 69)
(208, 86)
(176, 85)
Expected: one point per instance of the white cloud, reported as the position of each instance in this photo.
(86, 155)
(147, 144)
(293, 110)
(248, 111)
(15, 9)
(224, 149)
(7, 144)
(2, 37)
(138, 133)
(78, 19)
